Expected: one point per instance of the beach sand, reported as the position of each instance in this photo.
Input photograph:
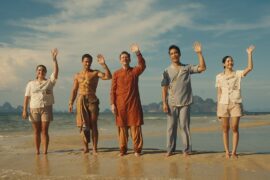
(65, 160)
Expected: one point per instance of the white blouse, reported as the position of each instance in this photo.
(230, 87)
(41, 93)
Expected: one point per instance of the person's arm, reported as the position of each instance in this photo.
(198, 49)
(250, 61)
(141, 62)
(164, 99)
(218, 94)
(25, 106)
(218, 97)
(73, 94)
(113, 95)
(54, 53)
(107, 75)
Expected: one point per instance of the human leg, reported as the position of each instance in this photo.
(46, 118)
(45, 135)
(94, 127)
(35, 118)
(136, 134)
(184, 121)
(82, 119)
(37, 130)
(235, 130)
(94, 112)
(225, 129)
(172, 130)
(123, 139)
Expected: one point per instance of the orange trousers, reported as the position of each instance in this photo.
(136, 135)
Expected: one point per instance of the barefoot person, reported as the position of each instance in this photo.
(229, 99)
(39, 93)
(85, 85)
(126, 103)
(177, 97)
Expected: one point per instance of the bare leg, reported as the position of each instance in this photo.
(45, 135)
(37, 130)
(94, 127)
(235, 129)
(85, 146)
(226, 128)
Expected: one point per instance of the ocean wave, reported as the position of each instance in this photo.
(2, 136)
(154, 118)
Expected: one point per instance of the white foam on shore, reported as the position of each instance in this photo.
(2, 136)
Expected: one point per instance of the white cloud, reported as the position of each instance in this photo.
(232, 25)
(95, 26)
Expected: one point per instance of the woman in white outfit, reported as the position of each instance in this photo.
(229, 106)
(39, 94)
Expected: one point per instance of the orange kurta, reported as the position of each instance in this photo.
(125, 95)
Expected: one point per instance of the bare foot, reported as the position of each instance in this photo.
(37, 153)
(95, 152)
(121, 154)
(185, 154)
(169, 154)
(227, 155)
(86, 151)
(235, 156)
(45, 153)
(137, 154)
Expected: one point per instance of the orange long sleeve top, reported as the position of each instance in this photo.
(125, 94)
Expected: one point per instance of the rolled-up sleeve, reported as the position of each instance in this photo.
(240, 73)
(28, 90)
(52, 79)
(193, 69)
(217, 81)
(165, 79)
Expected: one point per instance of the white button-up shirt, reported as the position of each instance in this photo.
(41, 93)
(230, 87)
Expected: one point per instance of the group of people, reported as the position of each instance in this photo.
(126, 104)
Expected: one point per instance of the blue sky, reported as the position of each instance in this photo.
(31, 28)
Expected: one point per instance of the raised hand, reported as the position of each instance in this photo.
(197, 47)
(54, 53)
(134, 48)
(250, 49)
(100, 59)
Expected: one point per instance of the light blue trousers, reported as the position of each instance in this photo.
(181, 116)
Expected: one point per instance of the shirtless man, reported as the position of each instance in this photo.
(85, 85)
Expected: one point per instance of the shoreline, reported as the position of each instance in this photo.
(65, 159)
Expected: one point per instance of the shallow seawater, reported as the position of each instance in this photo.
(252, 139)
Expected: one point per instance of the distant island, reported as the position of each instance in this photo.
(7, 108)
(199, 106)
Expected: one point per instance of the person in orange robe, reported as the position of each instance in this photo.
(126, 103)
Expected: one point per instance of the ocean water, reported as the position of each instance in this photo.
(252, 139)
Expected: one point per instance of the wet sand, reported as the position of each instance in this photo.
(65, 160)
